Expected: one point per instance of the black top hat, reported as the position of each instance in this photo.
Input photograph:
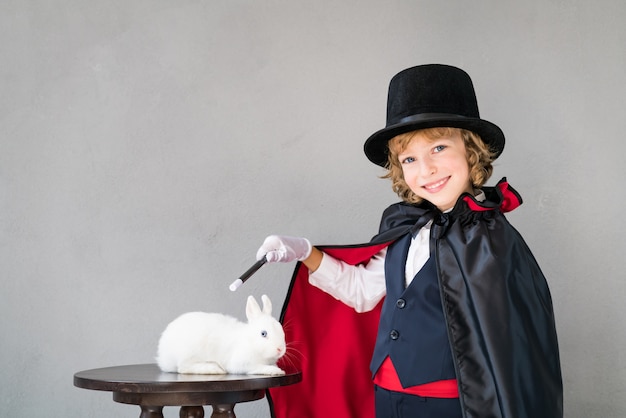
(430, 96)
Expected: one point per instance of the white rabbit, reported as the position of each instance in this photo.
(213, 343)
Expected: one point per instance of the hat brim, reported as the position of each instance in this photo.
(376, 145)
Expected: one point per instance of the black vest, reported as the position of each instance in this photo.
(412, 329)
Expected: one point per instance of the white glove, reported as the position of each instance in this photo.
(283, 249)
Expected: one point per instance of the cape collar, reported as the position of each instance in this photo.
(403, 217)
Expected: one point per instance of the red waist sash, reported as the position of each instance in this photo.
(387, 378)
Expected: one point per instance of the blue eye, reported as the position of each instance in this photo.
(408, 160)
(440, 148)
(264, 334)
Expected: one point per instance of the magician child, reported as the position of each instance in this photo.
(445, 313)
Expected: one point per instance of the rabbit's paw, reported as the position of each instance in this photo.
(267, 370)
(209, 367)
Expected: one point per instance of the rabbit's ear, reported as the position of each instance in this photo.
(253, 309)
(267, 305)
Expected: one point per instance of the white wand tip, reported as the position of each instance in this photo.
(235, 285)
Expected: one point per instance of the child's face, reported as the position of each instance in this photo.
(436, 169)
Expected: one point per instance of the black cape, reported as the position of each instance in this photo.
(497, 306)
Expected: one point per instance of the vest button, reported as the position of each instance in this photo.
(394, 335)
(401, 303)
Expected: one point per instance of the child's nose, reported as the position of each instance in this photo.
(428, 167)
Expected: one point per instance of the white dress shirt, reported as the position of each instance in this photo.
(361, 287)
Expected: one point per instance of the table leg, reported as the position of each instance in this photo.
(151, 411)
(223, 411)
(191, 412)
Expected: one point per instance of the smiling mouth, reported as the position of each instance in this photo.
(436, 186)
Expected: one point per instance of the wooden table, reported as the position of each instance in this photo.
(150, 388)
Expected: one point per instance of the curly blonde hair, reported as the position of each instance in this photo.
(479, 159)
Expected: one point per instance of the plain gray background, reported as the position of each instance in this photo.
(147, 147)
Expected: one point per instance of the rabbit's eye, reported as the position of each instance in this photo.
(264, 334)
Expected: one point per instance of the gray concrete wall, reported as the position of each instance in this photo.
(147, 147)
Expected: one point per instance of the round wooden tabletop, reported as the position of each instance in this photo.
(146, 385)
(148, 378)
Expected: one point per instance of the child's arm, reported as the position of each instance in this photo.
(314, 260)
(360, 287)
